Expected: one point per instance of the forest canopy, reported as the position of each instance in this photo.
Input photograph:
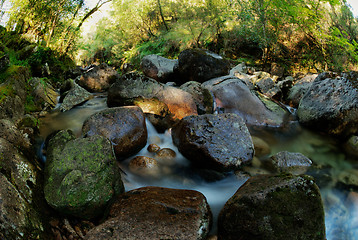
(295, 34)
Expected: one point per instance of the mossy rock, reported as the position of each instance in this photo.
(81, 175)
(274, 207)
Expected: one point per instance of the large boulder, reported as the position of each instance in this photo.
(133, 86)
(21, 208)
(156, 213)
(81, 175)
(274, 207)
(74, 97)
(221, 142)
(200, 65)
(331, 104)
(98, 78)
(232, 95)
(157, 67)
(124, 126)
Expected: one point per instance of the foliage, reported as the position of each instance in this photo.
(297, 34)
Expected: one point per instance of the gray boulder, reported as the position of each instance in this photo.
(331, 104)
(221, 142)
(299, 89)
(232, 95)
(81, 175)
(76, 96)
(274, 207)
(98, 78)
(156, 213)
(157, 67)
(124, 126)
(200, 65)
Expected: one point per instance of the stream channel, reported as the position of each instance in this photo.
(331, 167)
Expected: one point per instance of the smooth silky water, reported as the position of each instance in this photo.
(330, 164)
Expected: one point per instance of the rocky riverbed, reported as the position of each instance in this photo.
(188, 149)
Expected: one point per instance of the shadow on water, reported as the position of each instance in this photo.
(332, 169)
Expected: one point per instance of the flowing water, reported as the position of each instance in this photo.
(331, 165)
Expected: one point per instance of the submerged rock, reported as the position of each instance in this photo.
(284, 161)
(331, 104)
(124, 126)
(144, 166)
(261, 147)
(351, 146)
(81, 175)
(76, 96)
(157, 67)
(156, 213)
(274, 207)
(221, 142)
(133, 87)
(200, 65)
(233, 96)
(98, 78)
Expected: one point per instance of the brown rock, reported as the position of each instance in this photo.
(153, 148)
(98, 78)
(221, 142)
(144, 166)
(156, 213)
(123, 126)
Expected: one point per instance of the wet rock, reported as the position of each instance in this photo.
(98, 78)
(144, 166)
(81, 175)
(76, 96)
(133, 86)
(200, 65)
(351, 146)
(165, 153)
(295, 163)
(300, 88)
(157, 67)
(261, 147)
(160, 213)
(331, 104)
(44, 93)
(153, 148)
(124, 126)
(233, 96)
(274, 207)
(203, 98)
(221, 142)
(157, 112)
(21, 215)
